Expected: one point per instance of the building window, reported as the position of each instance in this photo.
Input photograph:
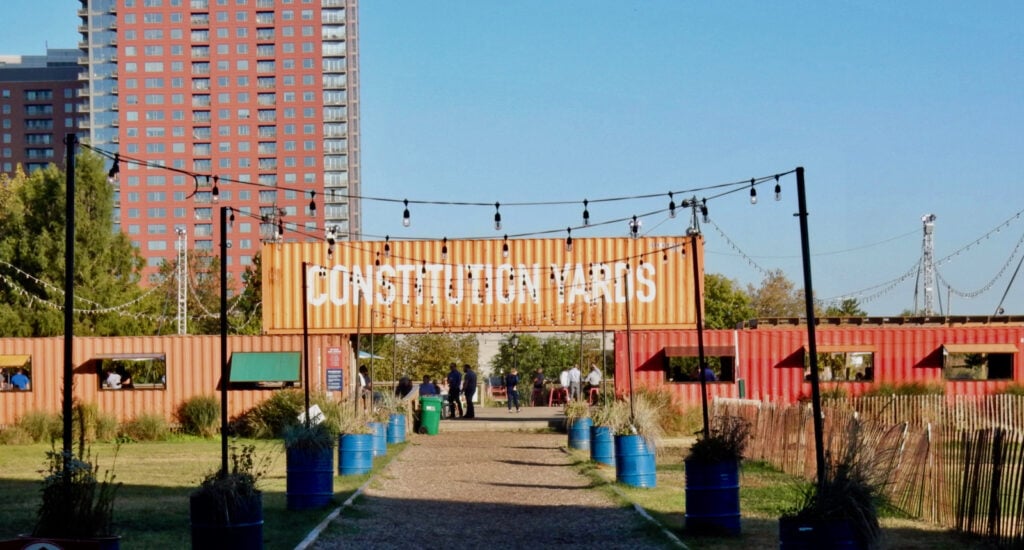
(682, 364)
(843, 365)
(978, 361)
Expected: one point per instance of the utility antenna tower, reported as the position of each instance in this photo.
(182, 276)
(928, 261)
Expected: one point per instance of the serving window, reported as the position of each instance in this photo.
(978, 361)
(15, 373)
(143, 371)
(842, 364)
(682, 363)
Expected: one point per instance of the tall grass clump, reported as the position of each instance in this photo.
(271, 417)
(200, 415)
(907, 388)
(147, 427)
(40, 426)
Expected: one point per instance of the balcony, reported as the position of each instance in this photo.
(83, 60)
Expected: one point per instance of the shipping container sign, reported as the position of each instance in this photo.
(480, 285)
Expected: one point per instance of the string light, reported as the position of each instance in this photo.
(671, 205)
(778, 189)
(634, 227)
(497, 216)
(753, 192)
(114, 169)
(568, 239)
(504, 247)
(586, 212)
(704, 210)
(444, 249)
(405, 214)
(387, 246)
(215, 193)
(312, 203)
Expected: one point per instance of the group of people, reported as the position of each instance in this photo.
(571, 379)
(459, 384)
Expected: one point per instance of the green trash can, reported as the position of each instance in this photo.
(430, 414)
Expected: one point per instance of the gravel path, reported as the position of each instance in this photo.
(487, 489)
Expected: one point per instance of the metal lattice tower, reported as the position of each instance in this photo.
(182, 276)
(928, 263)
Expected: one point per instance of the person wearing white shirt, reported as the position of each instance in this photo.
(113, 380)
(593, 377)
(574, 382)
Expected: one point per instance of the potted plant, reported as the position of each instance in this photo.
(309, 454)
(394, 411)
(355, 440)
(78, 506)
(226, 511)
(712, 477)
(604, 419)
(841, 508)
(578, 423)
(637, 431)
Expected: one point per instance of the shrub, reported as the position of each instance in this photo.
(269, 418)
(835, 392)
(908, 388)
(147, 427)
(106, 427)
(15, 435)
(727, 439)
(40, 426)
(1013, 389)
(200, 416)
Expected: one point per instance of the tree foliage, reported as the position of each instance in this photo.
(32, 246)
(725, 303)
(551, 354)
(430, 354)
(849, 307)
(777, 297)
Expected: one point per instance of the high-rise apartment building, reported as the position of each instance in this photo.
(38, 99)
(251, 104)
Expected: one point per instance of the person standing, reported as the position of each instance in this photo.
(469, 390)
(454, 385)
(364, 385)
(574, 383)
(512, 389)
(563, 382)
(537, 397)
(593, 377)
(20, 380)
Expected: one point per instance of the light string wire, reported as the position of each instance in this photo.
(987, 286)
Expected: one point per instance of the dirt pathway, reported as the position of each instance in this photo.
(487, 489)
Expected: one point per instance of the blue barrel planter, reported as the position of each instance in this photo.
(634, 461)
(396, 429)
(355, 454)
(579, 433)
(803, 534)
(310, 478)
(238, 526)
(380, 438)
(602, 445)
(713, 497)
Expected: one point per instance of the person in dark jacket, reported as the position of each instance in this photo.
(454, 387)
(512, 389)
(469, 390)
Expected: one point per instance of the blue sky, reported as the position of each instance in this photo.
(895, 109)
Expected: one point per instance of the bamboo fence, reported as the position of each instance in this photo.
(953, 461)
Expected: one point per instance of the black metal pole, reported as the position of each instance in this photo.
(701, 360)
(604, 354)
(69, 287)
(305, 338)
(629, 349)
(224, 340)
(812, 346)
(394, 350)
(359, 324)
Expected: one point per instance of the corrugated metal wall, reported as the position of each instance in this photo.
(476, 287)
(770, 361)
(193, 368)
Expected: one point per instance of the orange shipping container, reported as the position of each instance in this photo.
(481, 285)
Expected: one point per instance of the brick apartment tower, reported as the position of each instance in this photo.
(264, 92)
(38, 98)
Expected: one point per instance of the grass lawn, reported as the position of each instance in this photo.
(151, 510)
(764, 495)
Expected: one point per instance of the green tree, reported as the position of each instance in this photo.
(107, 266)
(849, 307)
(777, 297)
(430, 354)
(725, 303)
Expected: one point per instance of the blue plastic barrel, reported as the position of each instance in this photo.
(355, 454)
(634, 461)
(579, 433)
(713, 497)
(240, 527)
(800, 534)
(380, 438)
(310, 478)
(602, 445)
(396, 429)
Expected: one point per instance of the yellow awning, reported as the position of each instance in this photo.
(14, 360)
(980, 348)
